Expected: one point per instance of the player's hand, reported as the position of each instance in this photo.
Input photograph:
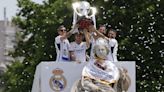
(91, 28)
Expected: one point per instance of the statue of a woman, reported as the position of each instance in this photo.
(100, 74)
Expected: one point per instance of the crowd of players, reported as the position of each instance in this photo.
(99, 75)
(84, 39)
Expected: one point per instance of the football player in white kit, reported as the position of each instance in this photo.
(62, 44)
(78, 47)
(102, 29)
(112, 43)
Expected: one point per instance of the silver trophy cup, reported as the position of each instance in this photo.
(83, 14)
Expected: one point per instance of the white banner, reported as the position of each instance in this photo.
(60, 76)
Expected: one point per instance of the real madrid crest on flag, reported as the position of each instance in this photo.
(57, 81)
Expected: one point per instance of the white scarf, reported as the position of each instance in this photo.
(94, 72)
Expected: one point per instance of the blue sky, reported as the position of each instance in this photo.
(11, 8)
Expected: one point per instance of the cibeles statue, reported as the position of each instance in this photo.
(83, 14)
(101, 75)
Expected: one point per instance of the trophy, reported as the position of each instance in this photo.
(84, 15)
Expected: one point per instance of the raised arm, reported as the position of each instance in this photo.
(96, 34)
(74, 29)
(68, 34)
(87, 37)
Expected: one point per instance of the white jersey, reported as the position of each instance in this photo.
(113, 47)
(79, 50)
(62, 49)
